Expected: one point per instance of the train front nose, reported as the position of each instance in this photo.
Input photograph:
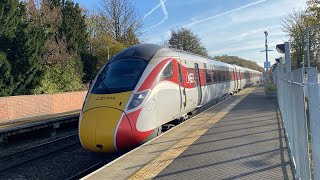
(97, 129)
(99, 121)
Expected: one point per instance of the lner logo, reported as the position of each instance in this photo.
(190, 78)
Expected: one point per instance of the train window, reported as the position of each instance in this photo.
(208, 76)
(224, 75)
(219, 73)
(227, 76)
(168, 71)
(214, 76)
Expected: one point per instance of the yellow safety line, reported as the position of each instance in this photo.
(152, 169)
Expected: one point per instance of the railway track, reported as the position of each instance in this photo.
(89, 170)
(15, 159)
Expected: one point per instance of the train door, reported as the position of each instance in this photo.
(239, 75)
(236, 73)
(182, 87)
(235, 80)
(197, 77)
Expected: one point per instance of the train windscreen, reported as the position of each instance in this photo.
(119, 76)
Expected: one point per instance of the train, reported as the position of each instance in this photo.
(146, 86)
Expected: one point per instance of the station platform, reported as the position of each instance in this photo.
(240, 138)
(19, 126)
(37, 120)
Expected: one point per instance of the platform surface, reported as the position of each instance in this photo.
(31, 121)
(241, 138)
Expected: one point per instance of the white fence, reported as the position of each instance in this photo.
(298, 99)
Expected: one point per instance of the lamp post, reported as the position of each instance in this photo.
(266, 50)
(266, 45)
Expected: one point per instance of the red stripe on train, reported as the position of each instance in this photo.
(188, 75)
(150, 80)
(128, 135)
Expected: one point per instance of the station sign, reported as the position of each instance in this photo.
(267, 64)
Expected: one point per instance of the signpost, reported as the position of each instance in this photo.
(267, 65)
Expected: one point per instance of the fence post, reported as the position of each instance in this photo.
(287, 59)
(314, 111)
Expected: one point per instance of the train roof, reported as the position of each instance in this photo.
(171, 52)
(148, 51)
(140, 51)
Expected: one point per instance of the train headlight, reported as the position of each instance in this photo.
(137, 99)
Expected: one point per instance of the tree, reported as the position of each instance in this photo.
(240, 62)
(313, 12)
(90, 67)
(312, 19)
(62, 68)
(21, 47)
(122, 20)
(26, 58)
(101, 40)
(73, 27)
(294, 25)
(9, 18)
(186, 40)
(104, 44)
(6, 80)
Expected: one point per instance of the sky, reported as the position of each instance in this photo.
(232, 27)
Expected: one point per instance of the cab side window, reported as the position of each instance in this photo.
(168, 71)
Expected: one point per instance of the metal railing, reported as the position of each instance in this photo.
(298, 99)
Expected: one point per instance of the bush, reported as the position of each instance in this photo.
(270, 88)
(90, 67)
(61, 77)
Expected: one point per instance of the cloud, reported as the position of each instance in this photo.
(254, 31)
(225, 13)
(237, 32)
(271, 10)
(164, 10)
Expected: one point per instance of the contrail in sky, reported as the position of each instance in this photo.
(225, 13)
(165, 12)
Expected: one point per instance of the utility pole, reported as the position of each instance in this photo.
(307, 46)
(266, 65)
(266, 44)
